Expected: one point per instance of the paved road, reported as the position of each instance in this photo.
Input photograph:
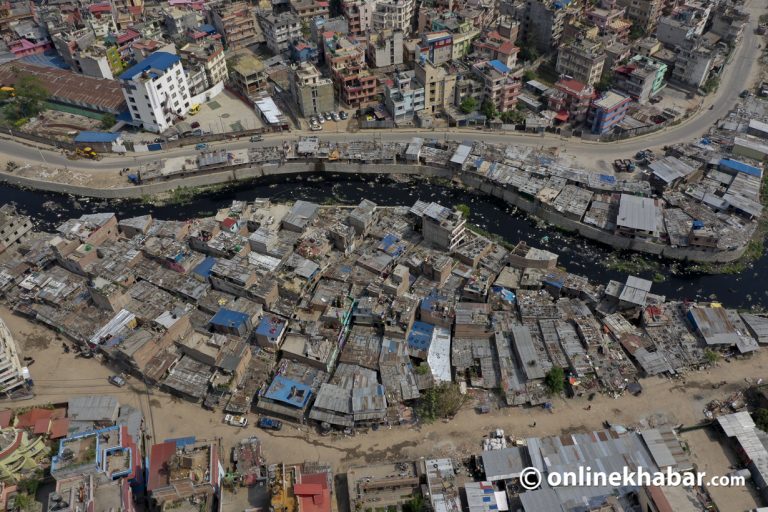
(735, 78)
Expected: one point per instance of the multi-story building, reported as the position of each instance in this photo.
(312, 92)
(280, 30)
(353, 82)
(543, 23)
(179, 21)
(607, 111)
(13, 226)
(302, 50)
(359, 14)
(204, 65)
(393, 14)
(728, 21)
(463, 35)
(156, 91)
(237, 25)
(500, 86)
(442, 227)
(439, 85)
(84, 55)
(493, 46)
(643, 13)
(571, 100)
(437, 47)
(582, 60)
(608, 17)
(693, 64)
(684, 23)
(385, 48)
(404, 97)
(307, 10)
(247, 74)
(11, 375)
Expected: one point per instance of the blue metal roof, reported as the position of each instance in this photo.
(181, 442)
(499, 66)
(229, 318)
(158, 60)
(97, 137)
(289, 392)
(207, 28)
(741, 167)
(270, 326)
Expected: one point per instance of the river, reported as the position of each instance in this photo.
(746, 290)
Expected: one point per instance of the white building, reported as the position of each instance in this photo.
(156, 91)
(11, 372)
(280, 30)
(393, 14)
(405, 96)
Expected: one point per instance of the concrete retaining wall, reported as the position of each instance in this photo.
(469, 179)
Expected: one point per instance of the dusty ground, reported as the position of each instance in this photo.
(59, 376)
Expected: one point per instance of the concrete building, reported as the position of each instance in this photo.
(494, 46)
(405, 96)
(607, 111)
(685, 23)
(11, 372)
(359, 14)
(639, 217)
(353, 82)
(439, 85)
(84, 55)
(571, 100)
(13, 226)
(441, 226)
(500, 86)
(582, 60)
(642, 13)
(641, 79)
(693, 64)
(204, 65)
(247, 74)
(307, 10)
(280, 30)
(237, 25)
(393, 14)
(543, 23)
(385, 48)
(156, 91)
(312, 92)
(437, 47)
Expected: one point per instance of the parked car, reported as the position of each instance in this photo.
(201, 146)
(270, 424)
(117, 380)
(327, 116)
(321, 119)
(335, 117)
(744, 94)
(236, 421)
(257, 138)
(195, 125)
(315, 127)
(343, 115)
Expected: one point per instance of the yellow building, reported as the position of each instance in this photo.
(19, 455)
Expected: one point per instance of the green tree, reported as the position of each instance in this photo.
(464, 209)
(555, 380)
(108, 121)
(529, 75)
(415, 504)
(442, 401)
(488, 109)
(605, 83)
(711, 85)
(636, 32)
(711, 356)
(761, 419)
(513, 117)
(468, 104)
(23, 502)
(29, 100)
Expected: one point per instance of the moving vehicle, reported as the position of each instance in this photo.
(116, 380)
(257, 138)
(270, 424)
(201, 146)
(236, 421)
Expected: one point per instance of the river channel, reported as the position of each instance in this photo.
(746, 290)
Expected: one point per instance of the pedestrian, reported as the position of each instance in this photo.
(534, 424)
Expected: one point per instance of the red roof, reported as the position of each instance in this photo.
(31, 417)
(41, 426)
(159, 457)
(228, 222)
(313, 493)
(562, 116)
(570, 85)
(59, 428)
(5, 418)
(508, 47)
(94, 8)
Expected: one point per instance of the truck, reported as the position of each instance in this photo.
(235, 421)
(270, 424)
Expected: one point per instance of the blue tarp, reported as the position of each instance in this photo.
(420, 336)
(158, 60)
(228, 318)
(288, 391)
(499, 66)
(182, 441)
(204, 268)
(94, 137)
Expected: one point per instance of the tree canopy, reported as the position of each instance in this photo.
(555, 380)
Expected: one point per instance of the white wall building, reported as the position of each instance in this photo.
(156, 91)
(11, 374)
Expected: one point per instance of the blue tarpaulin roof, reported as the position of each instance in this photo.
(182, 441)
(420, 336)
(229, 318)
(740, 167)
(607, 178)
(204, 268)
(499, 66)
(208, 29)
(289, 392)
(96, 137)
(158, 60)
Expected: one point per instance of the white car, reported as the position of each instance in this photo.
(315, 127)
(236, 421)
